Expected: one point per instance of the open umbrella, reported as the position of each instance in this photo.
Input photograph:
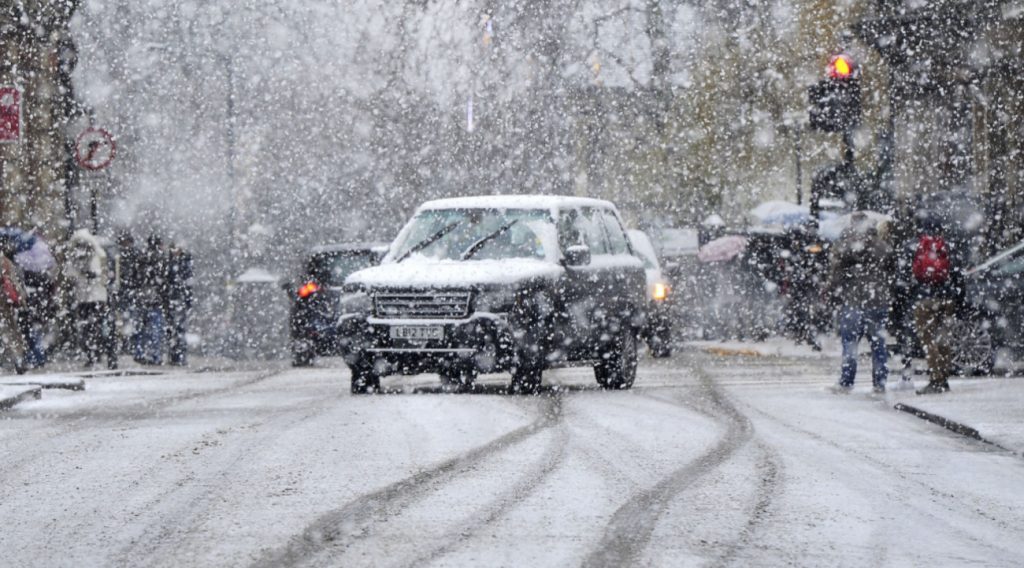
(32, 253)
(722, 249)
(832, 228)
(37, 258)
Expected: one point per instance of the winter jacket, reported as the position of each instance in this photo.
(179, 277)
(151, 277)
(87, 268)
(862, 267)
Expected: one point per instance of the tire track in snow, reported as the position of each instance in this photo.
(530, 480)
(194, 500)
(533, 478)
(629, 531)
(354, 521)
(770, 466)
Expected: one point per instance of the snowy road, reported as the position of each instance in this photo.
(708, 461)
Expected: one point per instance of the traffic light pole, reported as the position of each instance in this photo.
(848, 147)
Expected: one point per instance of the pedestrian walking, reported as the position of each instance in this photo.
(901, 314)
(860, 268)
(125, 302)
(149, 296)
(937, 271)
(12, 291)
(178, 302)
(87, 270)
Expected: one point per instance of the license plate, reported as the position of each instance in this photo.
(417, 332)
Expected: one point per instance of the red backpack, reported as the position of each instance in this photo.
(931, 260)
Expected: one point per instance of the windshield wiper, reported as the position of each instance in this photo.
(428, 241)
(480, 244)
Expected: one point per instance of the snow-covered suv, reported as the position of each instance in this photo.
(499, 283)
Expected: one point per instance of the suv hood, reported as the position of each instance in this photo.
(430, 273)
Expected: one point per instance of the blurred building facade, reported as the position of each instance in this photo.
(37, 56)
(956, 93)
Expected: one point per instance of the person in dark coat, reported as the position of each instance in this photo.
(126, 276)
(861, 267)
(149, 296)
(178, 301)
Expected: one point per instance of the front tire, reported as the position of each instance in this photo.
(617, 368)
(364, 380)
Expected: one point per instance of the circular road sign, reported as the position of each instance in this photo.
(95, 148)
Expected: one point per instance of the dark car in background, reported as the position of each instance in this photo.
(989, 330)
(318, 299)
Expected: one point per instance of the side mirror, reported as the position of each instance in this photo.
(577, 255)
(288, 287)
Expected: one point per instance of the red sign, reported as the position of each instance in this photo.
(10, 114)
(95, 148)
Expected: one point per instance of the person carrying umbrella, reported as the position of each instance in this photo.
(38, 272)
(87, 270)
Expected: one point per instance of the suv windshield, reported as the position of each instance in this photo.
(480, 234)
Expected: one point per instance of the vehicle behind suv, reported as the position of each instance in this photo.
(318, 299)
(514, 284)
(658, 331)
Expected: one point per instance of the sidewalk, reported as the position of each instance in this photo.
(994, 406)
(991, 406)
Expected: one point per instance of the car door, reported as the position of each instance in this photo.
(581, 312)
(625, 283)
(1007, 279)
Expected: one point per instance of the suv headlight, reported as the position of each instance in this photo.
(495, 301)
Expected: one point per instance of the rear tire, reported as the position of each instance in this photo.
(660, 345)
(526, 379)
(617, 369)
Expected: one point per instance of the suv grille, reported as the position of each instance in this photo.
(454, 304)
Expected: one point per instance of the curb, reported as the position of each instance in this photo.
(951, 425)
(31, 391)
(69, 384)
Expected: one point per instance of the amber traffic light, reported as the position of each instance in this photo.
(842, 66)
(834, 102)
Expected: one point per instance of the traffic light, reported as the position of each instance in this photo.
(835, 101)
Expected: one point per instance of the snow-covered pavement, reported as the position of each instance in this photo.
(711, 459)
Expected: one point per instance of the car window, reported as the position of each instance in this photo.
(1011, 267)
(589, 223)
(332, 269)
(617, 240)
(476, 234)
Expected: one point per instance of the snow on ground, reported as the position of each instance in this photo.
(710, 459)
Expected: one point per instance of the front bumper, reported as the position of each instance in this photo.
(483, 342)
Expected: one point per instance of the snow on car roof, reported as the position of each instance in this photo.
(549, 202)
